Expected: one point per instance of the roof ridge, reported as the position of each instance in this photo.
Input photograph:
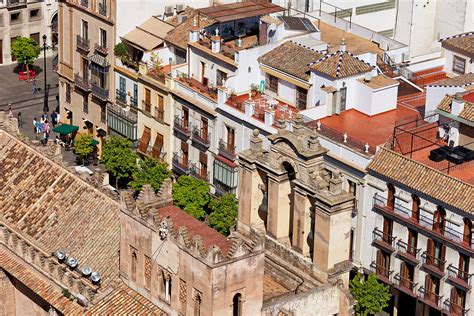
(457, 35)
(428, 167)
(304, 46)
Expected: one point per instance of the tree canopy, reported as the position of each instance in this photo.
(149, 171)
(191, 195)
(83, 146)
(371, 296)
(223, 213)
(118, 158)
(25, 50)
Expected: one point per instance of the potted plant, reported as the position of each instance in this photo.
(255, 90)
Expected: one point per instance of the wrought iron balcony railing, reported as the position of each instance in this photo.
(226, 150)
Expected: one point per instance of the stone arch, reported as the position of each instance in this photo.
(282, 161)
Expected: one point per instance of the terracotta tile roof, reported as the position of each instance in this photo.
(51, 294)
(57, 209)
(180, 34)
(340, 64)
(424, 179)
(458, 81)
(461, 43)
(380, 81)
(124, 301)
(209, 236)
(291, 58)
(467, 113)
(271, 288)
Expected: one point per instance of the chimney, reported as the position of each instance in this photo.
(216, 43)
(249, 108)
(269, 117)
(194, 31)
(342, 47)
(457, 105)
(368, 76)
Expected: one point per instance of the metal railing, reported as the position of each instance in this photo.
(405, 283)
(181, 163)
(101, 48)
(381, 270)
(121, 96)
(181, 125)
(197, 172)
(456, 273)
(121, 112)
(201, 137)
(431, 296)
(226, 150)
(99, 92)
(455, 308)
(82, 82)
(404, 247)
(381, 236)
(133, 102)
(431, 260)
(82, 43)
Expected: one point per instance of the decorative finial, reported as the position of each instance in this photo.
(217, 32)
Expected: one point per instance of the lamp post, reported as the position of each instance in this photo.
(45, 107)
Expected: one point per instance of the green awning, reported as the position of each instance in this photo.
(65, 129)
(94, 142)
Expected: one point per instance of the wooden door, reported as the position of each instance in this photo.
(467, 236)
(387, 230)
(203, 163)
(391, 196)
(185, 118)
(412, 242)
(415, 208)
(204, 128)
(185, 151)
(230, 138)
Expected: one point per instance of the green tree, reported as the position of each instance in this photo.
(223, 213)
(191, 195)
(118, 158)
(150, 171)
(25, 50)
(121, 50)
(371, 296)
(83, 146)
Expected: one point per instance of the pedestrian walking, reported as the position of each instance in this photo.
(54, 118)
(35, 125)
(34, 87)
(20, 121)
(10, 111)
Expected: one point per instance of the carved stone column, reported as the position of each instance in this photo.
(278, 207)
(301, 220)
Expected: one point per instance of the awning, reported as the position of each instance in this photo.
(65, 129)
(148, 35)
(99, 60)
(285, 77)
(94, 142)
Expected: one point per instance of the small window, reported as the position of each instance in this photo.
(352, 187)
(237, 305)
(68, 93)
(34, 13)
(221, 78)
(14, 17)
(459, 65)
(180, 56)
(103, 38)
(301, 98)
(85, 105)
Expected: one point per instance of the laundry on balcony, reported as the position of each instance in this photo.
(98, 60)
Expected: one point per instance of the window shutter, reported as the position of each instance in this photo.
(442, 257)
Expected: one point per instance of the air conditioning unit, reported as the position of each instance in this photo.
(180, 8)
(182, 18)
(169, 10)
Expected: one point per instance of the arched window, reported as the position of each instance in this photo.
(391, 196)
(415, 208)
(134, 265)
(467, 236)
(237, 305)
(168, 288)
(439, 220)
(197, 305)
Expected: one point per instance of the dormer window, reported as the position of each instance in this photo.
(459, 64)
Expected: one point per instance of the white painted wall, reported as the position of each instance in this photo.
(434, 95)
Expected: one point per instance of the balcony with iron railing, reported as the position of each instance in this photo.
(383, 240)
(123, 113)
(226, 150)
(82, 83)
(405, 285)
(181, 127)
(201, 137)
(100, 92)
(433, 264)
(121, 96)
(180, 163)
(197, 172)
(454, 309)
(459, 277)
(430, 298)
(425, 224)
(133, 102)
(82, 43)
(408, 252)
(382, 272)
(101, 48)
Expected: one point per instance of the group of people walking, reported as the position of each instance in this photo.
(43, 125)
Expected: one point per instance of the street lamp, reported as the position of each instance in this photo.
(45, 107)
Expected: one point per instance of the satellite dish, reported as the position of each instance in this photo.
(86, 271)
(95, 277)
(72, 262)
(61, 255)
